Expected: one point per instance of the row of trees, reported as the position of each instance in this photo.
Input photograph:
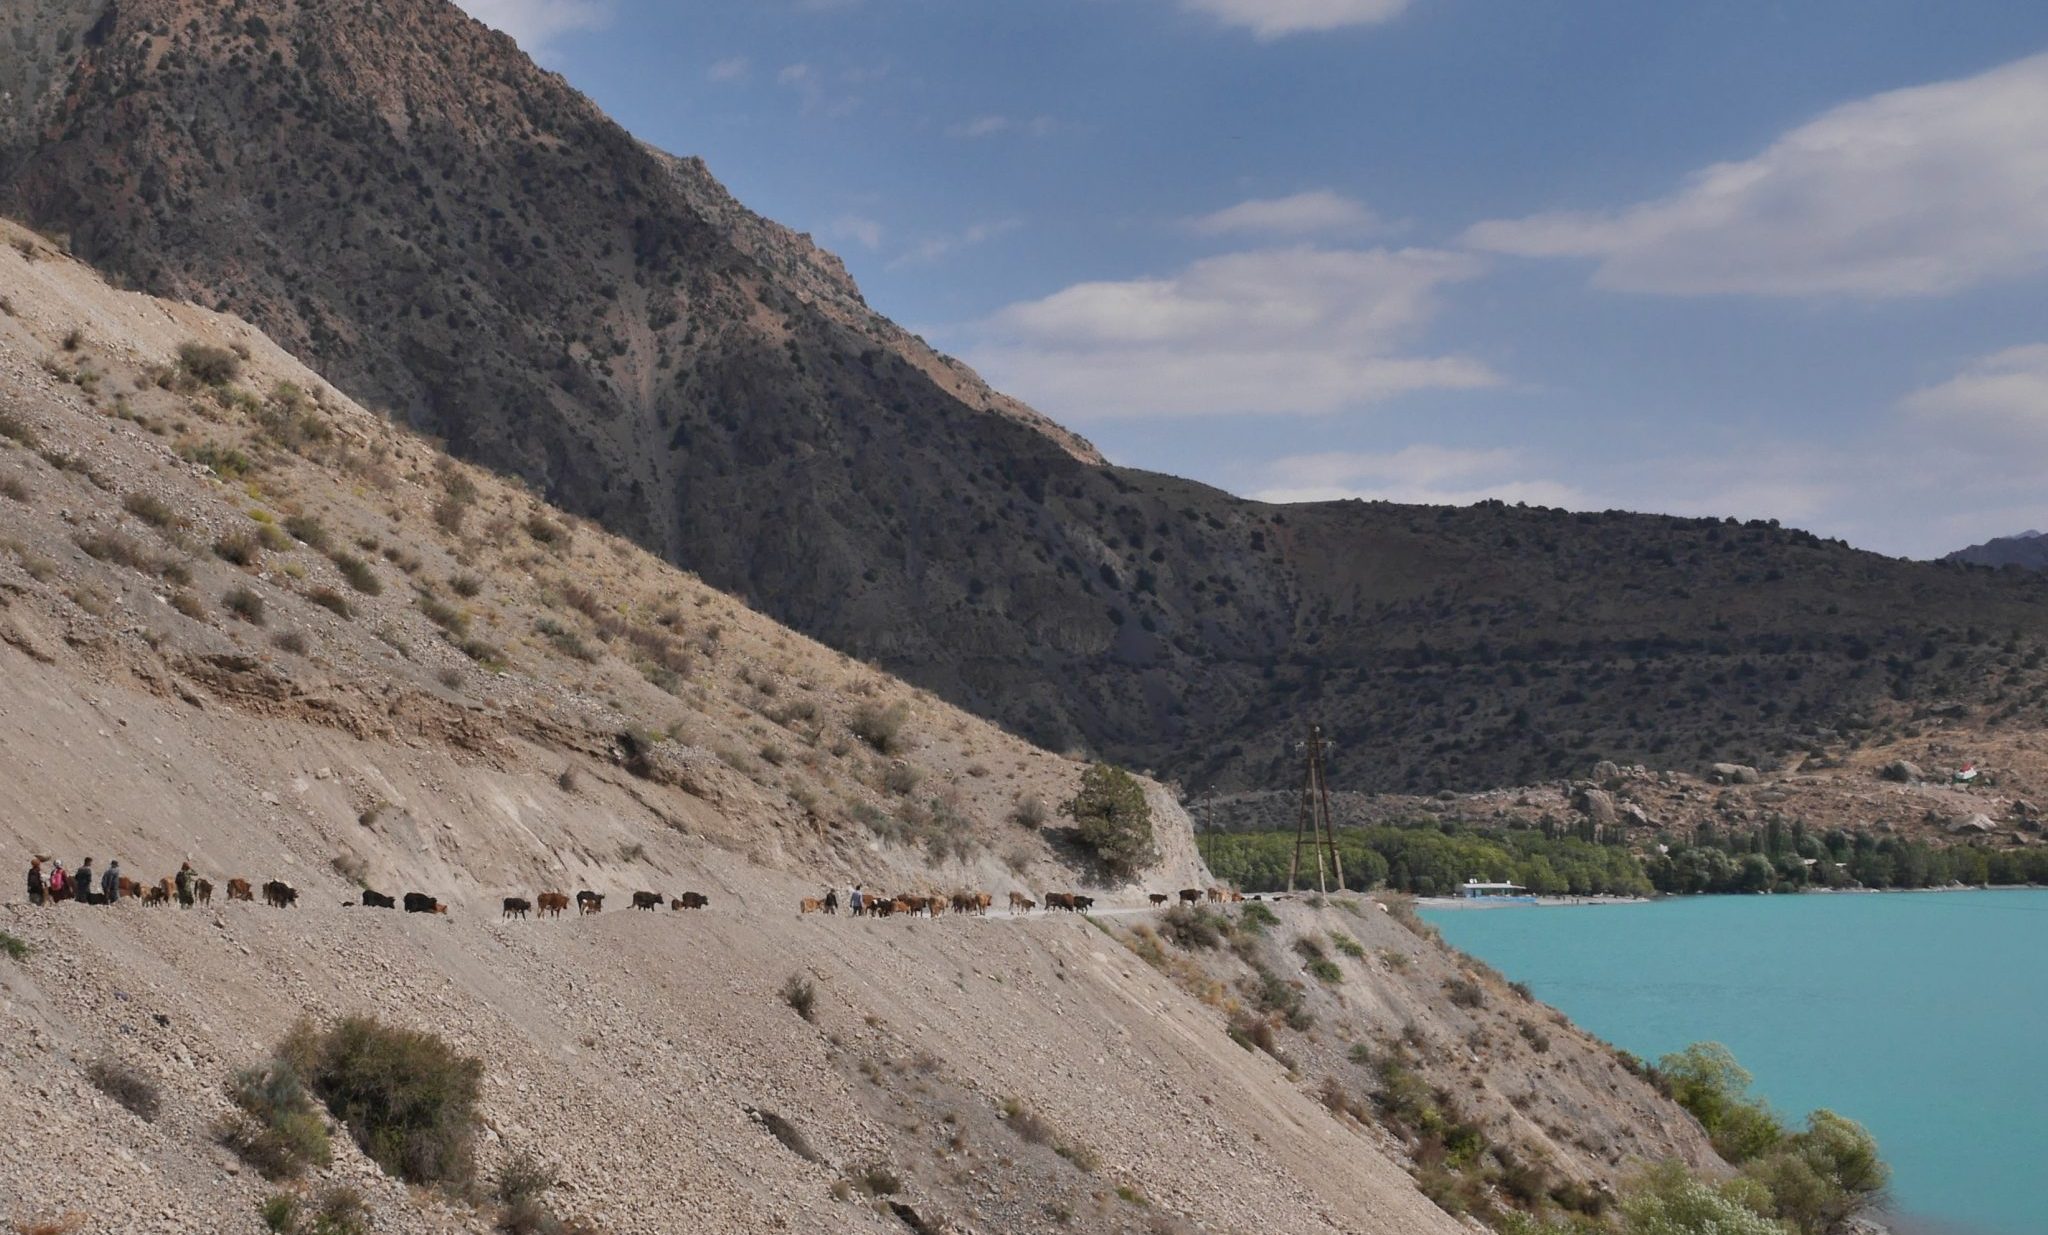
(1429, 859)
(1432, 861)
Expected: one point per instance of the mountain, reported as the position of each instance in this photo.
(247, 624)
(2028, 550)
(445, 231)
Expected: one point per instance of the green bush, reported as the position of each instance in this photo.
(1114, 819)
(1256, 917)
(880, 727)
(1191, 926)
(1668, 1200)
(245, 604)
(212, 366)
(1821, 1176)
(801, 995)
(1705, 1079)
(15, 949)
(359, 573)
(405, 1096)
(276, 1128)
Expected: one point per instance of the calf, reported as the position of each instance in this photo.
(239, 890)
(377, 900)
(516, 907)
(420, 902)
(1018, 900)
(694, 900)
(552, 904)
(589, 902)
(810, 904)
(646, 900)
(1215, 894)
(1158, 899)
(129, 888)
(277, 894)
(982, 901)
(204, 890)
(155, 896)
(1081, 904)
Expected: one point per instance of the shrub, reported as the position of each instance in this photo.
(126, 1084)
(293, 641)
(405, 1096)
(275, 538)
(245, 604)
(1347, 945)
(1114, 819)
(1464, 992)
(547, 532)
(1317, 962)
(14, 488)
(1256, 917)
(225, 462)
(276, 1128)
(800, 994)
(1190, 927)
(13, 947)
(486, 654)
(118, 549)
(880, 727)
(280, 1212)
(15, 429)
(466, 585)
(901, 778)
(876, 1179)
(1030, 811)
(152, 510)
(239, 547)
(211, 366)
(308, 530)
(448, 617)
(332, 601)
(359, 574)
(1667, 1200)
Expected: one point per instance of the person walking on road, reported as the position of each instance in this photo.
(110, 883)
(83, 882)
(36, 886)
(185, 878)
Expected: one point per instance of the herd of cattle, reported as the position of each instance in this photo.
(281, 895)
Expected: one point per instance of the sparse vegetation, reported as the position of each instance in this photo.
(405, 1096)
(245, 604)
(17, 430)
(13, 947)
(189, 605)
(880, 727)
(276, 1128)
(152, 510)
(240, 547)
(360, 574)
(801, 995)
(208, 365)
(332, 601)
(126, 1084)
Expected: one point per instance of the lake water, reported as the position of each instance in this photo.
(1922, 1015)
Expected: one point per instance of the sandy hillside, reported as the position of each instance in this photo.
(248, 624)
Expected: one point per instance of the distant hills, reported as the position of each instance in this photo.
(2028, 549)
(397, 194)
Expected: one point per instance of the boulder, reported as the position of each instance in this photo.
(1978, 823)
(1903, 771)
(1635, 816)
(1607, 773)
(1735, 774)
(1598, 804)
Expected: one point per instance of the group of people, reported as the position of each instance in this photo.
(79, 885)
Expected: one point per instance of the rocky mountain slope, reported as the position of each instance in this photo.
(450, 233)
(2028, 549)
(246, 623)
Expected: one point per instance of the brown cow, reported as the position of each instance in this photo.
(1060, 900)
(204, 889)
(811, 904)
(1029, 904)
(129, 887)
(1018, 900)
(239, 890)
(1215, 894)
(1158, 899)
(982, 901)
(589, 902)
(1190, 896)
(1236, 896)
(155, 896)
(552, 904)
(516, 907)
(647, 900)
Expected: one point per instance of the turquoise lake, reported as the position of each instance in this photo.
(1920, 1014)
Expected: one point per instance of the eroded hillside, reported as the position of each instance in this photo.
(446, 231)
(246, 624)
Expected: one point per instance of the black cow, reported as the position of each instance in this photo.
(517, 907)
(420, 902)
(1082, 904)
(693, 900)
(646, 900)
(377, 900)
(279, 895)
(589, 902)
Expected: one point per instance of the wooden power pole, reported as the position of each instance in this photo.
(1312, 828)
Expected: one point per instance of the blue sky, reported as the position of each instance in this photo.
(1771, 260)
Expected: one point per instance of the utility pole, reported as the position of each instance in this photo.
(1312, 827)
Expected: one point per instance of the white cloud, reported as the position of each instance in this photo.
(1299, 330)
(1318, 212)
(533, 24)
(1271, 19)
(1997, 402)
(1434, 475)
(732, 68)
(933, 248)
(1916, 192)
(996, 126)
(863, 231)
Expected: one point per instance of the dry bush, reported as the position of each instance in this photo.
(359, 574)
(332, 601)
(210, 366)
(880, 727)
(127, 1085)
(240, 547)
(244, 604)
(799, 993)
(152, 510)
